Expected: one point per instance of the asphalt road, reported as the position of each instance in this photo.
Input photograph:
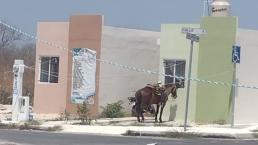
(46, 138)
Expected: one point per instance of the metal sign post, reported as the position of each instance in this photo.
(188, 85)
(235, 59)
(192, 34)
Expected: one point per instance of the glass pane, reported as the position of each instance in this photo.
(54, 69)
(169, 70)
(180, 71)
(44, 69)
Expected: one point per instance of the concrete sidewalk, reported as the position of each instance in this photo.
(162, 131)
(127, 126)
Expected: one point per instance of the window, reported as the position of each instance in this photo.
(49, 69)
(176, 68)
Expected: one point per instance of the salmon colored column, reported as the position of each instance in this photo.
(85, 31)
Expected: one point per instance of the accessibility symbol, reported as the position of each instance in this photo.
(236, 54)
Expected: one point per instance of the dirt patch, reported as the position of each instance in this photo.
(27, 126)
(5, 112)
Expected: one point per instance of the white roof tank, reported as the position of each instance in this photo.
(220, 8)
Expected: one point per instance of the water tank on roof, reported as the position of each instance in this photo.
(220, 8)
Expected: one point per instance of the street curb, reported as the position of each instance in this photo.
(160, 134)
(30, 127)
(255, 134)
(177, 133)
(132, 131)
(192, 135)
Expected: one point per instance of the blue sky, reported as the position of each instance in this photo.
(139, 14)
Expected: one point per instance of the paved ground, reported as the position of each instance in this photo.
(46, 138)
(122, 126)
(129, 126)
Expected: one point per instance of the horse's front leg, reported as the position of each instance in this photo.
(138, 111)
(142, 115)
(161, 111)
(156, 114)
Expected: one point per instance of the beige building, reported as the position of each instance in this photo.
(130, 47)
(54, 74)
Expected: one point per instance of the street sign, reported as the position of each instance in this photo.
(196, 31)
(193, 37)
(236, 54)
(192, 34)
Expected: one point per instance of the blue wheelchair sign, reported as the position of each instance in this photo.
(236, 54)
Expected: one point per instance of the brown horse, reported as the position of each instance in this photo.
(146, 97)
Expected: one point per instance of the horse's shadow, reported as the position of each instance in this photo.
(172, 112)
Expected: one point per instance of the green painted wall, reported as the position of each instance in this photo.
(174, 45)
(213, 101)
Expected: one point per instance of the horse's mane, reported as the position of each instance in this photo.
(149, 86)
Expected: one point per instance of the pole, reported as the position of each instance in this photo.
(233, 96)
(204, 8)
(208, 6)
(18, 69)
(188, 84)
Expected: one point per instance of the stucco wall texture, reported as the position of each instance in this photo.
(49, 98)
(247, 99)
(174, 45)
(211, 61)
(129, 47)
(213, 102)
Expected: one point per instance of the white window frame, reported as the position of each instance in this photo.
(49, 66)
(174, 69)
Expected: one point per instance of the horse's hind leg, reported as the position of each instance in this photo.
(142, 116)
(156, 114)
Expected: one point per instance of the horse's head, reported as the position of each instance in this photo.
(171, 88)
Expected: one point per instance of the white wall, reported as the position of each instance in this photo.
(246, 110)
(131, 47)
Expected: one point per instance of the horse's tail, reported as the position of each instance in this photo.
(138, 100)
